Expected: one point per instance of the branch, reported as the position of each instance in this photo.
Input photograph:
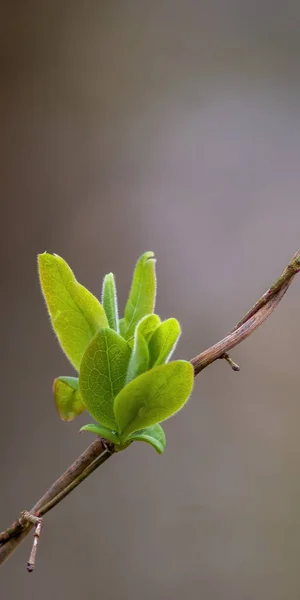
(94, 456)
(252, 319)
(99, 451)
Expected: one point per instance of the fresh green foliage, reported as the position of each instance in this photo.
(142, 294)
(153, 396)
(75, 313)
(163, 341)
(67, 398)
(102, 375)
(139, 360)
(104, 432)
(148, 324)
(122, 327)
(109, 301)
(125, 380)
(154, 435)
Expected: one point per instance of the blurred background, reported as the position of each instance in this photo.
(175, 127)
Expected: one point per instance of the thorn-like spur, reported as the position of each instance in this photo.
(231, 362)
(37, 522)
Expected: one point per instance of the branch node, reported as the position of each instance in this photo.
(109, 446)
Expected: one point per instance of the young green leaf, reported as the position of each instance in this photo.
(139, 360)
(75, 313)
(154, 435)
(148, 324)
(163, 341)
(142, 294)
(109, 301)
(67, 398)
(102, 375)
(104, 432)
(153, 396)
(122, 327)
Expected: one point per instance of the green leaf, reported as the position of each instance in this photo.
(109, 301)
(148, 324)
(67, 398)
(122, 327)
(153, 396)
(75, 313)
(102, 375)
(142, 294)
(163, 341)
(154, 435)
(139, 360)
(104, 432)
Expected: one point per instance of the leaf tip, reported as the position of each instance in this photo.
(148, 254)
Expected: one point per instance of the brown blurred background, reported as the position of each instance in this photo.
(171, 126)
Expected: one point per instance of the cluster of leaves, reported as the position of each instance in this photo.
(125, 380)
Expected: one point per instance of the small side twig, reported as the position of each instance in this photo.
(37, 522)
(232, 364)
(99, 451)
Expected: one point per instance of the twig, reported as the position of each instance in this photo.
(99, 451)
(252, 319)
(231, 362)
(37, 522)
(286, 277)
(88, 471)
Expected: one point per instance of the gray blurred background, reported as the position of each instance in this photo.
(174, 127)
